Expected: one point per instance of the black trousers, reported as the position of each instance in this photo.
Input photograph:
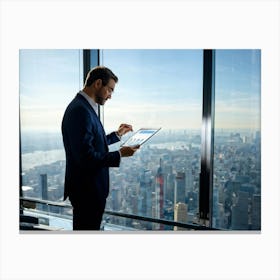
(87, 215)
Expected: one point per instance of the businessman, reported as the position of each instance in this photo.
(86, 147)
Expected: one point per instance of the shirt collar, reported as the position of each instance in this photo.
(92, 103)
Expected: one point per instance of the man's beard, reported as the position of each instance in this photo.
(100, 100)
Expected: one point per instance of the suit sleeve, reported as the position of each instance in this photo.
(112, 138)
(87, 142)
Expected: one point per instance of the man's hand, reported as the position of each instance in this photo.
(124, 128)
(128, 151)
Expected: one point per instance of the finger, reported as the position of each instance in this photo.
(126, 129)
(128, 126)
(135, 148)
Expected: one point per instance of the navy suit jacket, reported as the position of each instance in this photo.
(87, 155)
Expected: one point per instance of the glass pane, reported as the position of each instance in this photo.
(237, 159)
(157, 88)
(49, 80)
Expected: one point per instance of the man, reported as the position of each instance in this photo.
(86, 146)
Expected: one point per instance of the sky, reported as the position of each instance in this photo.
(49, 79)
(156, 88)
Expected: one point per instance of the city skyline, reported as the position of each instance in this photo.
(174, 168)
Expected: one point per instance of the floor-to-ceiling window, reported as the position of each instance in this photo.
(157, 88)
(237, 152)
(49, 79)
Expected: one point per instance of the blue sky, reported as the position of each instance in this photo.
(167, 86)
(49, 79)
(156, 88)
(238, 88)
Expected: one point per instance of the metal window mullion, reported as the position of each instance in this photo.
(98, 53)
(207, 137)
(87, 64)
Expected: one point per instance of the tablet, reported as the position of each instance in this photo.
(140, 137)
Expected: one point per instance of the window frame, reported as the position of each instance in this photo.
(207, 138)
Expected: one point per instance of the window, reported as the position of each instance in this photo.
(237, 152)
(157, 88)
(49, 79)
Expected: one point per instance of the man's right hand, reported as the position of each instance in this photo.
(128, 151)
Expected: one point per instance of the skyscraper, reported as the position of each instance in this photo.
(240, 212)
(180, 214)
(44, 189)
(44, 186)
(189, 176)
(146, 192)
(180, 188)
(170, 185)
(159, 193)
(256, 212)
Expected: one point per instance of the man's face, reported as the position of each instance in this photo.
(104, 92)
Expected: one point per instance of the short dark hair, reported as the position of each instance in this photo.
(100, 72)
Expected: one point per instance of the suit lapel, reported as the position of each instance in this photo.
(79, 96)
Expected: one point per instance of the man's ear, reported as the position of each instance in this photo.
(98, 84)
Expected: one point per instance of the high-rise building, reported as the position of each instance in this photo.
(44, 186)
(215, 208)
(180, 214)
(189, 176)
(180, 188)
(155, 226)
(167, 169)
(256, 212)
(192, 201)
(159, 199)
(44, 189)
(240, 216)
(146, 192)
(170, 186)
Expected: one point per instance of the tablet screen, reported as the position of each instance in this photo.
(141, 136)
